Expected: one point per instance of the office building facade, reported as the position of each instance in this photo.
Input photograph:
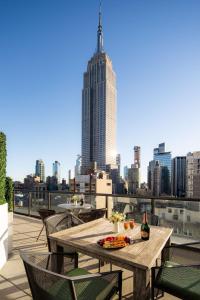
(193, 175)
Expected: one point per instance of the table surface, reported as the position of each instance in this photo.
(73, 206)
(141, 254)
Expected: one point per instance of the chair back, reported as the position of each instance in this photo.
(45, 213)
(92, 215)
(60, 222)
(41, 278)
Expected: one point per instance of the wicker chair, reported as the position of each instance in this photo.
(44, 213)
(182, 281)
(92, 215)
(46, 284)
(152, 219)
(59, 222)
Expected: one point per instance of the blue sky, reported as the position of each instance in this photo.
(44, 49)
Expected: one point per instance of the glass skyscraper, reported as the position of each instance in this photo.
(56, 170)
(179, 176)
(161, 161)
(99, 110)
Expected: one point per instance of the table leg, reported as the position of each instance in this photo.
(57, 260)
(165, 255)
(141, 284)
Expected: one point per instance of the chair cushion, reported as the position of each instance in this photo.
(91, 289)
(184, 282)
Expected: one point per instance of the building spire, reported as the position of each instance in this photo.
(100, 33)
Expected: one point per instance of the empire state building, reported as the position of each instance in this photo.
(99, 110)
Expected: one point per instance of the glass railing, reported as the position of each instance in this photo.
(181, 214)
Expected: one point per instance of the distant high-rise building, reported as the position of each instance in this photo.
(164, 166)
(133, 179)
(137, 155)
(126, 173)
(77, 169)
(193, 175)
(99, 110)
(56, 170)
(69, 176)
(118, 163)
(40, 170)
(179, 176)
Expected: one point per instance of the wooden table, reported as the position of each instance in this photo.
(139, 257)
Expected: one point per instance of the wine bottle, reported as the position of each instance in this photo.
(145, 229)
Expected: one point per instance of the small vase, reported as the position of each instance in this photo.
(116, 227)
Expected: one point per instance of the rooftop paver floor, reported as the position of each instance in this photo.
(13, 280)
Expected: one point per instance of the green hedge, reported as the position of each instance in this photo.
(9, 193)
(2, 167)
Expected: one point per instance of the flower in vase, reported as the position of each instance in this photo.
(75, 198)
(117, 217)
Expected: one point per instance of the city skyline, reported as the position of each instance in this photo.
(155, 50)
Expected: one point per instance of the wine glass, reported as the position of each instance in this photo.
(132, 223)
(126, 225)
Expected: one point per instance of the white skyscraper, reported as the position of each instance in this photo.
(99, 110)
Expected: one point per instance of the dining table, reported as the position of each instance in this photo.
(75, 208)
(139, 257)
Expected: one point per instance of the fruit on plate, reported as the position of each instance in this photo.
(114, 241)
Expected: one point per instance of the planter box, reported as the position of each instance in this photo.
(3, 234)
(10, 232)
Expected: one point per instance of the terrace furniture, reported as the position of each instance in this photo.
(44, 213)
(182, 281)
(60, 222)
(75, 208)
(47, 283)
(94, 214)
(139, 257)
(152, 219)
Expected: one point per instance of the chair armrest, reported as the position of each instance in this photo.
(182, 245)
(96, 275)
(175, 266)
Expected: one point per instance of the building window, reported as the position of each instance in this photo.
(181, 211)
(169, 210)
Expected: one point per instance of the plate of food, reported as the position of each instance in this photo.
(114, 242)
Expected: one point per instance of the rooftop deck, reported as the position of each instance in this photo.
(13, 280)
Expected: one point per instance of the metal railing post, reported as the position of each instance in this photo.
(29, 203)
(106, 206)
(152, 206)
(49, 200)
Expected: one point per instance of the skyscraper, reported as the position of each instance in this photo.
(56, 170)
(77, 169)
(137, 155)
(161, 176)
(193, 175)
(40, 169)
(99, 110)
(179, 176)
